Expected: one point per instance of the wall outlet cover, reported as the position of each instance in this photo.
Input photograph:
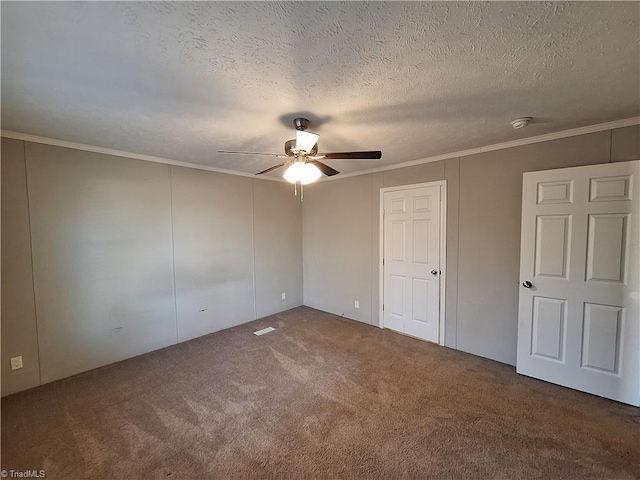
(16, 363)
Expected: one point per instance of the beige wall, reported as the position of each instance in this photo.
(277, 223)
(101, 236)
(129, 256)
(213, 251)
(489, 237)
(337, 247)
(18, 305)
(107, 233)
(625, 144)
(341, 229)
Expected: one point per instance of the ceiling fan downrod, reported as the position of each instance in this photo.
(301, 123)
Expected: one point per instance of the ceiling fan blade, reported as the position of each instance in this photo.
(253, 153)
(372, 155)
(274, 167)
(326, 169)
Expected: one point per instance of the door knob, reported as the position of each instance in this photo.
(434, 272)
(527, 284)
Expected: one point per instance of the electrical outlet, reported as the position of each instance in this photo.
(16, 363)
(284, 295)
(357, 304)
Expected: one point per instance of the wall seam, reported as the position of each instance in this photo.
(373, 254)
(610, 146)
(173, 254)
(455, 338)
(253, 247)
(33, 273)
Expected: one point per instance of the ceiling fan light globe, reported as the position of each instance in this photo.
(305, 141)
(304, 173)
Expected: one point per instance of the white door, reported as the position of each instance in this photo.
(578, 322)
(411, 261)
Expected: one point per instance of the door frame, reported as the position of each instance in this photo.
(443, 250)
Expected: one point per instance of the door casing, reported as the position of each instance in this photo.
(443, 250)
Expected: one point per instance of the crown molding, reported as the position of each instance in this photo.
(627, 122)
(121, 153)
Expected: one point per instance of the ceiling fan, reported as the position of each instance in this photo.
(303, 157)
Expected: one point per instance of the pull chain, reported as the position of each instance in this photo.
(295, 190)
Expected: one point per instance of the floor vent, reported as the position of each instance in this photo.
(264, 330)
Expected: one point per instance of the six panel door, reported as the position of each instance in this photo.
(578, 320)
(412, 261)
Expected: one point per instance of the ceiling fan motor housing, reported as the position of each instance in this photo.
(290, 148)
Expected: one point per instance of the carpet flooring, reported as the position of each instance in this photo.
(320, 397)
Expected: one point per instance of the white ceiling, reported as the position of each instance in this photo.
(416, 79)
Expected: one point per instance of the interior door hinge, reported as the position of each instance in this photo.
(383, 307)
(383, 262)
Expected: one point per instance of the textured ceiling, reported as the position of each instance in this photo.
(182, 80)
